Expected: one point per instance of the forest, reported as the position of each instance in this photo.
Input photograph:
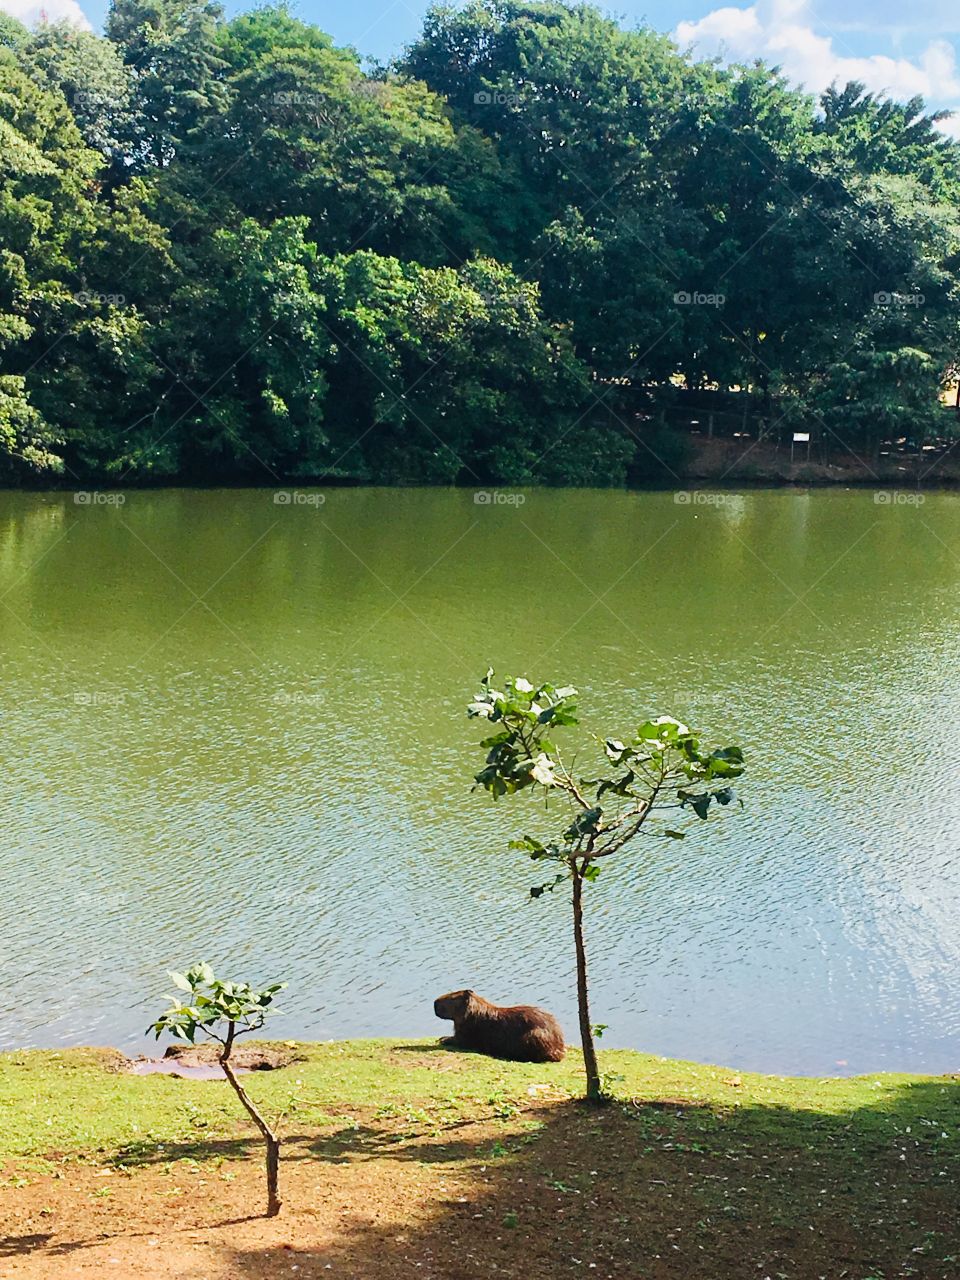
(231, 251)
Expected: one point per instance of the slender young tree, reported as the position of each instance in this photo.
(223, 1011)
(662, 767)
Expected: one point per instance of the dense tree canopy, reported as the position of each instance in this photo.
(227, 251)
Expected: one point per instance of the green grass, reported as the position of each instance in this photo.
(71, 1103)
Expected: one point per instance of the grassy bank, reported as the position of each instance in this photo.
(401, 1157)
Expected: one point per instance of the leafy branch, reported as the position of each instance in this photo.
(224, 1011)
(661, 767)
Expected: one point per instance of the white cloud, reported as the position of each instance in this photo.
(30, 12)
(783, 32)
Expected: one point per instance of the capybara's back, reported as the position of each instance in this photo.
(522, 1033)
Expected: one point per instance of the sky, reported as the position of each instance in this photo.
(894, 46)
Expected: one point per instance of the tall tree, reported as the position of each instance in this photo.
(44, 176)
(171, 50)
(90, 73)
(440, 375)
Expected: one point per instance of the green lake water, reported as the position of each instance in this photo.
(234, 729)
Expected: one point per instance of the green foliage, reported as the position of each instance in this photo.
(24, 437)
(231, 252)
(368, 162)
(46, 167)
(90, 73)
(12, 32)
(170, 48)
(263, 358)
(214, 1007)
(442, 374)
(662, 454)
(662, 766)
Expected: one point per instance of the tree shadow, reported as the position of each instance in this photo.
(344, 1145)
(10, 1246)
(434, 1046)
(144, 1154)
(661, 1189)
(15, 1246)
(373, 1142)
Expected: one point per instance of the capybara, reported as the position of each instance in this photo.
(519, 1032)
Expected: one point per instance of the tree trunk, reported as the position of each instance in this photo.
(273, 1176)
(594, 1089)
(269, 1137)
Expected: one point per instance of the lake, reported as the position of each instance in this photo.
(233, 729)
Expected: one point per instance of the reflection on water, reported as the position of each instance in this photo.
(234, 730)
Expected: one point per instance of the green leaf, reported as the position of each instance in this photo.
(564, 715)
(584, 823)
(723, 769)
(527, 843)
(699, 802)
(539, 890)
(701, 805)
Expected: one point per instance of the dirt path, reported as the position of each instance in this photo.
(658, 1192)
(197, 1225)
(201, 1221)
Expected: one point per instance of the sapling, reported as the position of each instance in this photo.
(224, 1011)
(661, 767)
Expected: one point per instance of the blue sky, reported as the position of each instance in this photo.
(894, 46)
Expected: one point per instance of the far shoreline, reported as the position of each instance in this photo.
(718, 463)
(698, 482)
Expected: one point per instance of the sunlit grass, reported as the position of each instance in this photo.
(77, 1101)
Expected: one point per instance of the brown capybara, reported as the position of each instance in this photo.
(519, 1032)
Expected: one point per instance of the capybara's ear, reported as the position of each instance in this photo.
(471, 1001)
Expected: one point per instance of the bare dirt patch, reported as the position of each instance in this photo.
(202, 1061)
(550, 1189)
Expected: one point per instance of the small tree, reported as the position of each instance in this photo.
(661, 767)
(223, 1011)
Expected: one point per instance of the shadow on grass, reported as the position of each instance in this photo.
(434, 1046)
(684, 1191)
(142, 1155)
(346, 1145)
(375, 1142)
